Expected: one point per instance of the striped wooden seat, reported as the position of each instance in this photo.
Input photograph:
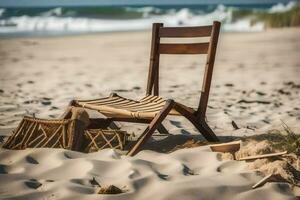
(117, 106)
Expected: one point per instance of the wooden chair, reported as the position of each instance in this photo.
(152, 109)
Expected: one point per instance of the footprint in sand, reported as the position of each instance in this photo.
(33, 184)
(83, 182)
(185, 132)
(46, 102)
(3, 169)
(136, 88)
(31, 160)
(229, 85)
(176, 123)
(121, 90)
(187, 171)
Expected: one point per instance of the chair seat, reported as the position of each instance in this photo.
(117, 106)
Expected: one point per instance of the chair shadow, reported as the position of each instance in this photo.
(170, 142)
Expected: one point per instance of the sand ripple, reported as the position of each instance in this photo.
(193, 173)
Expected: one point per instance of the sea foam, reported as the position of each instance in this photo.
(68, 21)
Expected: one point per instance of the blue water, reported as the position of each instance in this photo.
(89, 19)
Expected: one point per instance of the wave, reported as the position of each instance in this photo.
(53, 12)
(91, 19)
(280, 7)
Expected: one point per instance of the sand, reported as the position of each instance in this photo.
(256, 84)
(183, 174)
(256, 80)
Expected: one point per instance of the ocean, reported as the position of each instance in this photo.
(47, 21)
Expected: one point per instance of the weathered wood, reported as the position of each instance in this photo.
(145, 108)
(207, 133)
(262, 181)
(152, 109)
(180, 32)
(154, 61)
(263, 156)
(192, 48)
(228, 147)
(208, 70)
(151, 128)
(78, 132)
(162, 129)
(269, 178)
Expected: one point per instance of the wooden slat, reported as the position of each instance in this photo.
(144, 104)
(143, 107)
(96, 100)
(197, 31)
(104, 100)
(121, 103)
(145, 97)
(193, 48)
(112, 102)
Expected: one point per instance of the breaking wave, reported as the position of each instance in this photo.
(45, 21)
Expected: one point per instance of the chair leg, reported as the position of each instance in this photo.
(151, 128)
(162, 129)
(68, 112)
(201, 125)
(208, 130)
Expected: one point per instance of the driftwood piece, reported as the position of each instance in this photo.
(263, 156)
(269, 178)
(230, 147)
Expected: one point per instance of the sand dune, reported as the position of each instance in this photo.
(183, 174)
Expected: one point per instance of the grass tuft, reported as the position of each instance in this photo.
(285, 140)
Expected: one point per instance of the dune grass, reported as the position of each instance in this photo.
(285, 140)
(289, 18)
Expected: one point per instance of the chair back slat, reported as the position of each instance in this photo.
(193, 48)
(209, 48)
(181, 32)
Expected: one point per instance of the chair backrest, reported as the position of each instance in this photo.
(209, 48)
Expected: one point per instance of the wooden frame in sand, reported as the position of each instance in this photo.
(152, 109)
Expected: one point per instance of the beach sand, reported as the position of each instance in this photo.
(256, 84)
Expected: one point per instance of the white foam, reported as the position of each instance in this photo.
(51, 21)
(2, 10)
(53, 12)
(242, 25)
(280, 7)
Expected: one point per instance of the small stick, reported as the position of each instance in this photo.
(263, 156)
(270, 178)
(262, 181)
